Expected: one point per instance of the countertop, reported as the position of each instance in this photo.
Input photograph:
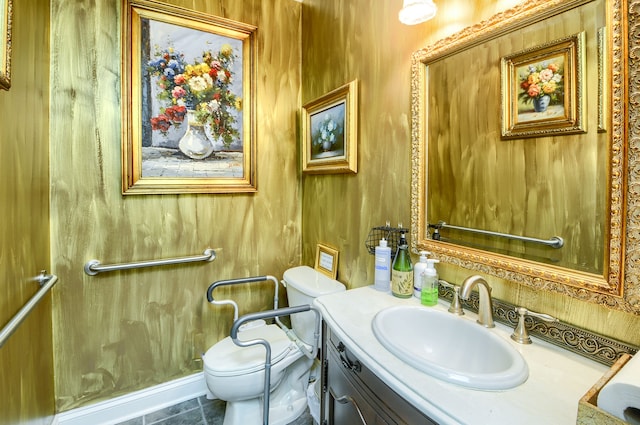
(557, 378)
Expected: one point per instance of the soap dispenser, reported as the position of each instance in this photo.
(429, 291)
(402, 270)
(382, 274)
(418, 269)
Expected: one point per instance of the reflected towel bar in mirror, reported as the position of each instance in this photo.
(553, 242)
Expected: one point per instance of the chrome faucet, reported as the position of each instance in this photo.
(485, 306)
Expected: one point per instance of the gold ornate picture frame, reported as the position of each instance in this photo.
(6, 19)
(542, 90)
(330, 132)
(327, 260)
(188, 101)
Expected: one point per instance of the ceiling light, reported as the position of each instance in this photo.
(417, 11)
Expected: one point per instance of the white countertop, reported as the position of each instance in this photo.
(557, 378)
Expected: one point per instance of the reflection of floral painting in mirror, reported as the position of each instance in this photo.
(538, 82)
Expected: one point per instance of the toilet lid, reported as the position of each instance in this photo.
(227, 359)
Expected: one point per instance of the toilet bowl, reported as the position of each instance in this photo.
(236, 374)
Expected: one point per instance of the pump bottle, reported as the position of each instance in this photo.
(418, 269)
(382, 275)
(429, 291)
(402, 271)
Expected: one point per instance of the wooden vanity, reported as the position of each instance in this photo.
(357, 368)
(353, 394)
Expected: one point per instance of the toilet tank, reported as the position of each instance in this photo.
(304, 284)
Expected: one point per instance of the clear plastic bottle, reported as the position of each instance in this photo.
(382, 276)
(429, 291)
(402, 271)
(418, 269)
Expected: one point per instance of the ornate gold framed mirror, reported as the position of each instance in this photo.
(499, 203)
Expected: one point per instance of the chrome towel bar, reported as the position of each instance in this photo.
(93, 267)
(46, 283)
(553, 242)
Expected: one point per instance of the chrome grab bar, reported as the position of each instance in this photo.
(214, 285)
(553, 242)
(267, 365)
(46, 283)
(292, 335)
(93, 267)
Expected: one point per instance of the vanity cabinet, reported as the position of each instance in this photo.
(352, 394)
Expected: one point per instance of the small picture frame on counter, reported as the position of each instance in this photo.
(327, 260)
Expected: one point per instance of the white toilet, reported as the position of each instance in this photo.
(236, 374)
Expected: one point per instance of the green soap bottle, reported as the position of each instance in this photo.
(429, 292)
(402, 271)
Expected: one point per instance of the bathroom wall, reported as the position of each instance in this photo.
(122, 331)
(26, 359)
(348, 39)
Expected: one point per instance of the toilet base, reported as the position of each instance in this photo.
(250, 412)
(286, 402)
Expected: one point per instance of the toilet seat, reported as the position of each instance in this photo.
(228, 359)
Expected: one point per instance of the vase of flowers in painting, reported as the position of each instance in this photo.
(540, 84)
(201, 92)
(195, 144)
(540, 104)
(326, 134)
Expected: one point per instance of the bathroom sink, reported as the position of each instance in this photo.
(450, 348)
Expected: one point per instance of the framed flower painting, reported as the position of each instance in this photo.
(188, 101)
(542, 90)
(6, 15)
(330, 132)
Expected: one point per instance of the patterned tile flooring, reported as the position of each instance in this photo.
(198, 411)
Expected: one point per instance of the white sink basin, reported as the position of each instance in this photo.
(450, 348)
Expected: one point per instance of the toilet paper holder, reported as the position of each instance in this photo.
(588, 410)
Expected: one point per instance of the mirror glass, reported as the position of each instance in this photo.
(516, 146)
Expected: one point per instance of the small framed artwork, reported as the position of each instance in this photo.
(327, 260)
(6, 17)
(330, 132)
(188, 111)
(542, 90)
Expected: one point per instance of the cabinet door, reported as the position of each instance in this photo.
(347, 405)
(353, 394)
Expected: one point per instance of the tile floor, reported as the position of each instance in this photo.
(198, 411)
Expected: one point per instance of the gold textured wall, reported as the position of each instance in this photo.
(121, 331)
(26, 359)
(340, 43)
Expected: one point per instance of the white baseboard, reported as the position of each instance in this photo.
(136, 404)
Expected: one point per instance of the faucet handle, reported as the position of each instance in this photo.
(520, 334)
(456, 305)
